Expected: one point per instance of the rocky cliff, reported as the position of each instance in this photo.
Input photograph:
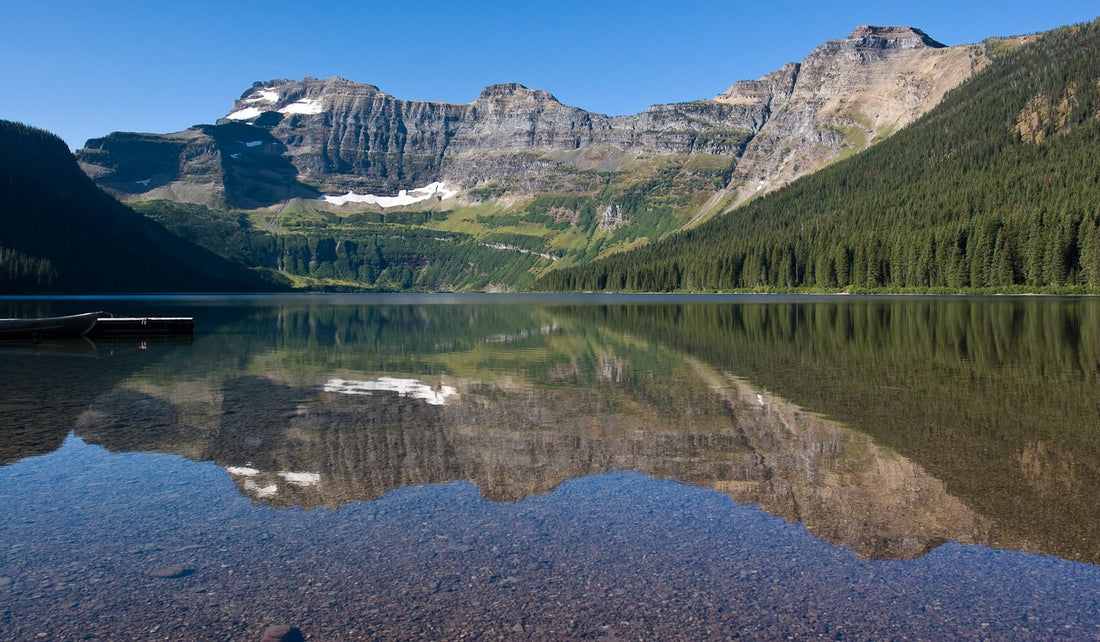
(843, 97)
(285, 138)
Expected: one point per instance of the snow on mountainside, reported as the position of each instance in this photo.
(404, 197)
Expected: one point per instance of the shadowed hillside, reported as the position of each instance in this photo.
(60, 233)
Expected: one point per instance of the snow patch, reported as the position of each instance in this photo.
(248, 113)
(301, 479)
(144, 183)
(235, 155)
(254, 143)
(404, 197)
(404, 387)
(264, 95)
(244, 471)
(303, 106)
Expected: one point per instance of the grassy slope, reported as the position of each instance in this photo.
(487, 245)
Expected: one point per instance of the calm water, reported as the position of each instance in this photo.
(549, 468)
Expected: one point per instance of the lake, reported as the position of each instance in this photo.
(556, 467)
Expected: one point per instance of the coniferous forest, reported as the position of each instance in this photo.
(997, 188)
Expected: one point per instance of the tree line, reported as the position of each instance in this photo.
(379, 256)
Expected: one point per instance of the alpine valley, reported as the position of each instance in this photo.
(333, 184)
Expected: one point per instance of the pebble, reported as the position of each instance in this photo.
(282, 633)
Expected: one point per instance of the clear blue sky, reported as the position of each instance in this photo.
(84, 68)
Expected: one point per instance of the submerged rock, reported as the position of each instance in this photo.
(171, 572)
(281, 633)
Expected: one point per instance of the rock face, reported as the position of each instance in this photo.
(843, 97)
(285, 138)
(236, 164)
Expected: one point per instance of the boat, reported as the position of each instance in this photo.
(94, 324)
(73, 325)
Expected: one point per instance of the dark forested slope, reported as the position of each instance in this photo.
(998, 187)
(61, 233)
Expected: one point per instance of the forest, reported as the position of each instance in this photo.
(369, 252)
(996, 189)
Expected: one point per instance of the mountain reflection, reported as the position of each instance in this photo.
(289, 446)
(568, 404)
(882, 426)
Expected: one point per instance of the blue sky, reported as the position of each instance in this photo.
(84, 68)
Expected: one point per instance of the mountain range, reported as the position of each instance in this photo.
(336, 184)
(285, 138)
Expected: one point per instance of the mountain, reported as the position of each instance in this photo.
(61, 233)
(846, 95)
(994, 188)
(337, 184)
(286, 138)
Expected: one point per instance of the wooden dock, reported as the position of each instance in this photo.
(142, 326)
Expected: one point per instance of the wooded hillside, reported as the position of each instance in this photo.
(996, 188)
(59, 233)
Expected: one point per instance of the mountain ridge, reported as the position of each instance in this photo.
(343, 136)
(514, 185)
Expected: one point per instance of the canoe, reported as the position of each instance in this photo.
(74, 325)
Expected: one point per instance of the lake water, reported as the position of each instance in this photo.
(556, 468)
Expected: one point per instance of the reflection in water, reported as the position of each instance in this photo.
(972, 390)
(404, 387)
(885, 427)
(245, 474)
(44, 386)
(612, 555)
(844, 487)
(535, 397)
(514, 441)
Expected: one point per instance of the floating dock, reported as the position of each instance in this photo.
(142, 327)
